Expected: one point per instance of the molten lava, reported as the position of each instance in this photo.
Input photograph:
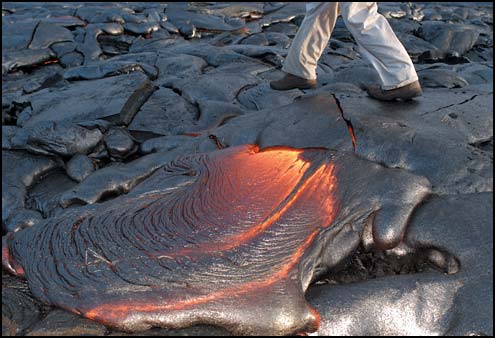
(48, 62)
(351, 132)
(231, 238)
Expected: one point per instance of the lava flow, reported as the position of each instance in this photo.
(231, 238)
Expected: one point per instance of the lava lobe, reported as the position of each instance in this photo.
(230, 238)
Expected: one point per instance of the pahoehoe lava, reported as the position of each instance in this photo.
(231, 238)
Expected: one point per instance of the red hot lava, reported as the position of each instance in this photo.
(231, 238)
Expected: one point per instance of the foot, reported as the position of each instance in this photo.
(290, 81)
(404, 93)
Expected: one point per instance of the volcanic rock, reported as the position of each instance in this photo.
(163, 113)
(405, 305)
(420, 130)
(20, 170)
(14, 38)
(434, 78)
(22, 218)
(463, 224)
(448, 38)
(83, 101)
(56, 138)
(215, 113)
(115, 44)
(359, 75)
(25, 57)
(63, 48)
(8, 132)
(99, 70)
(116, 180)
(276, 39)
(142, 28)
(141, 45)
(119, 143)
(45, 194)
(215, 56)
(185, 66)
(63, 323)
(90, 47)
(47, 34)
(19, 310)
(163, 143)
(216, 86)
(79, 167)
(72, 59)
(136, 101)
(179, 18)
(263, 97)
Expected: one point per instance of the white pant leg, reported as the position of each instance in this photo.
(311, 39)
(378, 44)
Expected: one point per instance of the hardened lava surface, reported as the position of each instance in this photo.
(231, 238)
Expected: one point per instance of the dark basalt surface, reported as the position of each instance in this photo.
(79, 167)
(20, 171)
(44, 196)
(164, 113)
(98, 98)
(107, 96)
(56, 138)
(207, 231)
(427, 303)
(19, 309)
(63, 323)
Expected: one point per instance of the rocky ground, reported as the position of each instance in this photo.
(97, 96)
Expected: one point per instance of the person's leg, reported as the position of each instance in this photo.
(311, 39)
(379, 44)
(308, 45)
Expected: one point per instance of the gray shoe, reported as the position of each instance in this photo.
(290, 81)
(404, 93)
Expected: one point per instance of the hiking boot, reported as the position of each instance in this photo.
(404, 93)
(290, 81)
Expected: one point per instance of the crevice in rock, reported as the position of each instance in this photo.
(11, 112)
(198, 112)
(29, 69)
(450, 105)
(348, 123)
(33, 33)
(110, 194)
(175, 90)
(365, 265)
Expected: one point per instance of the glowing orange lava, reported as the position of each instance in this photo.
(117, 311)
(278, 193)
(50, 61)
(293, 185)
(353, 136)
(8, 263)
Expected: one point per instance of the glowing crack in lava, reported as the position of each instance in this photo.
(231, 238)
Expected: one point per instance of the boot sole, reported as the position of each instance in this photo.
(397, 98)
(409, 97)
